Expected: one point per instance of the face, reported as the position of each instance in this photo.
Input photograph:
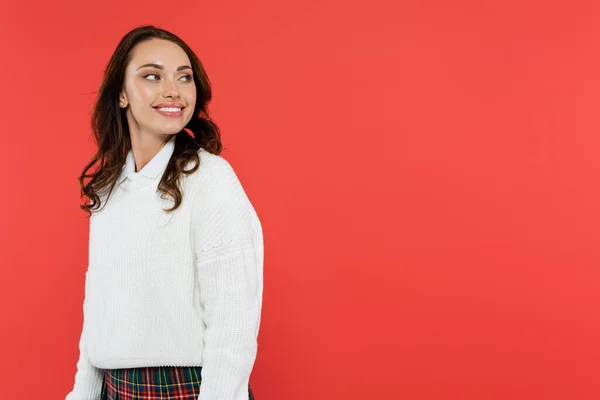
(159, 92)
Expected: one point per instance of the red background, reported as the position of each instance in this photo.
(426, 174)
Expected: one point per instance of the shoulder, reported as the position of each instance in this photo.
(215, 178)
(213, 163)
(216, 170)
(220, 205)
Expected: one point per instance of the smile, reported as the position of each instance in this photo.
(170, 111)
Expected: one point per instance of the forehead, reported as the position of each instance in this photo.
(158, 51)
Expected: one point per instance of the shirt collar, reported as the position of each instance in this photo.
(156, 165)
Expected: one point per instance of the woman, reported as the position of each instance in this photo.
(173, 289)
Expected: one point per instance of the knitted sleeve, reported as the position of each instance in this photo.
(227, 240)
(88, 379)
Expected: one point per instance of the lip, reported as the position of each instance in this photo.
(176, 105)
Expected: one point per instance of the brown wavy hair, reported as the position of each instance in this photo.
(111, 130)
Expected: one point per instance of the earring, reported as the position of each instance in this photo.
(121, 104)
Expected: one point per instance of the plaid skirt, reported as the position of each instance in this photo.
(153, 383)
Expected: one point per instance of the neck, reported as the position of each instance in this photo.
(145, 147)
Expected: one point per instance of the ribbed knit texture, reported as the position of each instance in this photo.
(174, 289)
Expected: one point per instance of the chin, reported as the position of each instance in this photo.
(171, 130)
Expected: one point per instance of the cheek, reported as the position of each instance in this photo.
(143, 95)
(190, 97)
(191, 102)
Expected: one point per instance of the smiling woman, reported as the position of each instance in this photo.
(173, 296)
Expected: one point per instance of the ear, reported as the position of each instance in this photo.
(123, 100)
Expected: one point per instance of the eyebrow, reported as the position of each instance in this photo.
(158, 66)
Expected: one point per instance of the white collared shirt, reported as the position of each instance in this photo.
(151, 170)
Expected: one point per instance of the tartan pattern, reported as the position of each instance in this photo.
(153, 383)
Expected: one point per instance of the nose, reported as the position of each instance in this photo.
(169, 89)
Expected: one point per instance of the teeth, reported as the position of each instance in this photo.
(169, 109)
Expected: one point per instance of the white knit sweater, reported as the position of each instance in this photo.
(173, 289)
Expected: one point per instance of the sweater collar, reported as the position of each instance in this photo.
(153, 168)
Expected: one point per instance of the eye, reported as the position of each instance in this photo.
(146, 76)
(188, 78)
